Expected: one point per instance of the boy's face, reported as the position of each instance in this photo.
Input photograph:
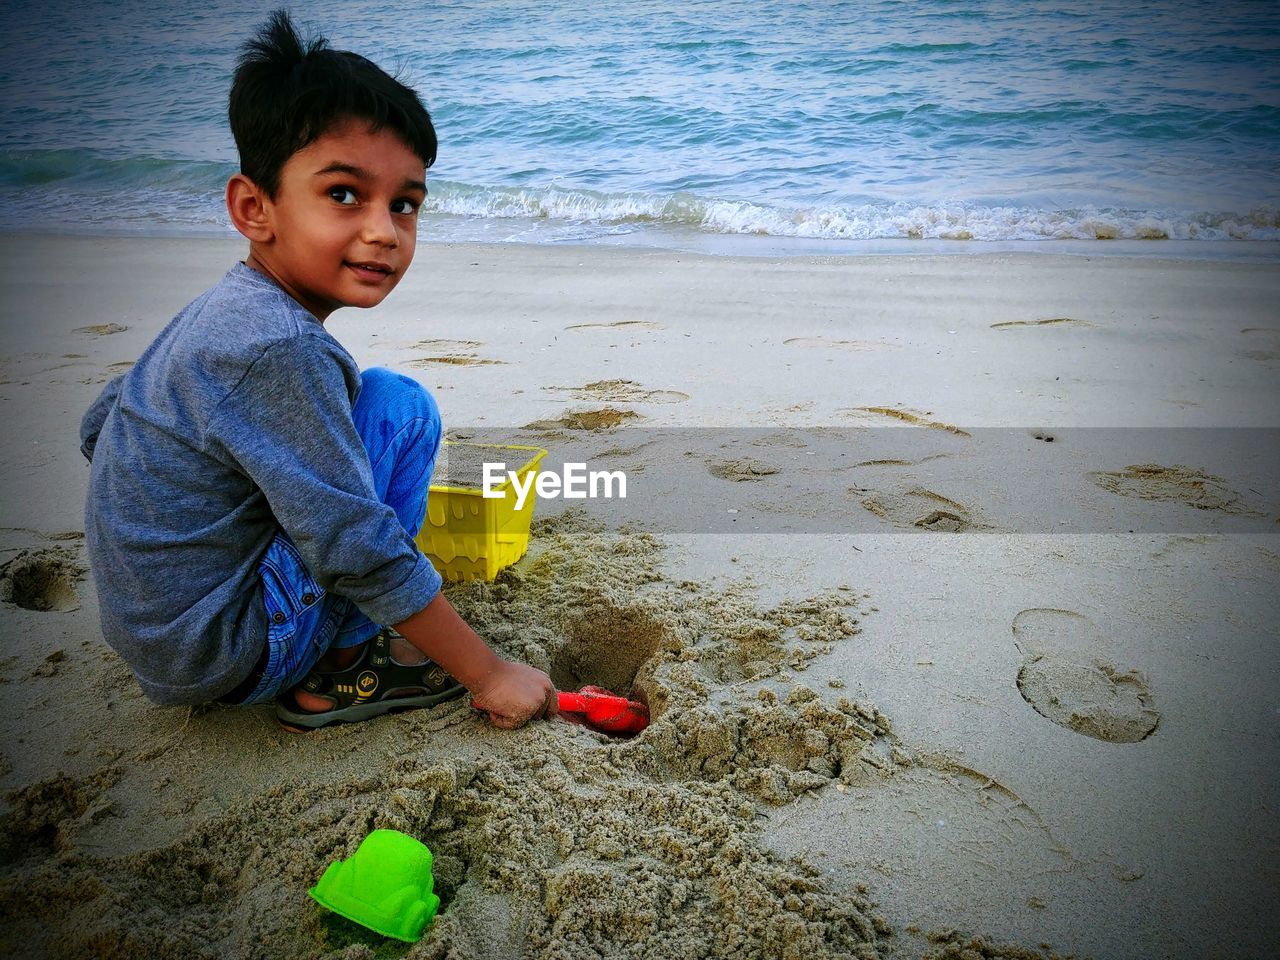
(343, 226)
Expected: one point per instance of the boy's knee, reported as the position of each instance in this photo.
(399, 397)
(396, 416)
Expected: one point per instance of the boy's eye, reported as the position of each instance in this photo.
(336, 192)
(407, 206)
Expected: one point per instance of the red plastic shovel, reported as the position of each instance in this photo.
(605, 711)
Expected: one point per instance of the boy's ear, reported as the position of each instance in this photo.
(249, 209)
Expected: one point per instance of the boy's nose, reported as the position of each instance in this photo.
(379, 228)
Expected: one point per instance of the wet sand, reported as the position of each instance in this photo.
(931, 737)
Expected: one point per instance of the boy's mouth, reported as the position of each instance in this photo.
(370, 269)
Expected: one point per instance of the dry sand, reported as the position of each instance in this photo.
(1084, 728)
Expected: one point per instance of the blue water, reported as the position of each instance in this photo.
(849, 123)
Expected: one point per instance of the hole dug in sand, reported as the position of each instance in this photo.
(40, 816)
(607, 646)
(42, 579)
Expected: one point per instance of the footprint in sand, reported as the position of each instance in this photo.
(109, 372)
(621, 391)
(948, 819)
(101, 329)
(605, 418)
(896, 462)
(1270, 336)
(834, 344)
(22, 369)
(907, 416)
(741, 470)
(1065, 678)
(455, 359)
(627, 324)
(451, 346)
(1052, 322)
(919, 509)
(1179, 484)
(779, 440)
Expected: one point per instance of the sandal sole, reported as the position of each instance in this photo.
(296, 722)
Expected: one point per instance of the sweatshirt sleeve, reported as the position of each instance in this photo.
(288, 425)
(96, 416)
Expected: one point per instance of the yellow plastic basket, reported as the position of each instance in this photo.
(470, 537)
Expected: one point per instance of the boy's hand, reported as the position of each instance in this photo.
(513, 694)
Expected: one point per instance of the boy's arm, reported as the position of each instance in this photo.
(288, 426)
(511, 693)
(96, 415)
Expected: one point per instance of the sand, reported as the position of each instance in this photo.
(948, 734)
(461, 464)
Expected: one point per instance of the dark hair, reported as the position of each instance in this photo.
(285, 96)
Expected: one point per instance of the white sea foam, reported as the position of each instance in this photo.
(888, 221)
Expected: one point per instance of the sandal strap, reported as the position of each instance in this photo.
(375, 674)
(316, 683)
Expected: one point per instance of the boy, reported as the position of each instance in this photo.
(253, 498)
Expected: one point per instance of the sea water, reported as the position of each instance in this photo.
(840, 126)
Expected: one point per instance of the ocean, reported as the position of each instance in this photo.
(842, 127)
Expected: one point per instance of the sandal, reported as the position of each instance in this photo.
(368, 689)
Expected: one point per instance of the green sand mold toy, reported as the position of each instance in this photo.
(386, 885)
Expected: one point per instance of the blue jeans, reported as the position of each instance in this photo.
(400, 425)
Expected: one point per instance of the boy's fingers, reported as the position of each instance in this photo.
(503, 722)
(546, 711)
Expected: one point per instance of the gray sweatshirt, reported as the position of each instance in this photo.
(234, 424)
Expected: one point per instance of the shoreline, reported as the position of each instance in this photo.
(697, 242)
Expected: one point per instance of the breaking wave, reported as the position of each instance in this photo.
(961, 220)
